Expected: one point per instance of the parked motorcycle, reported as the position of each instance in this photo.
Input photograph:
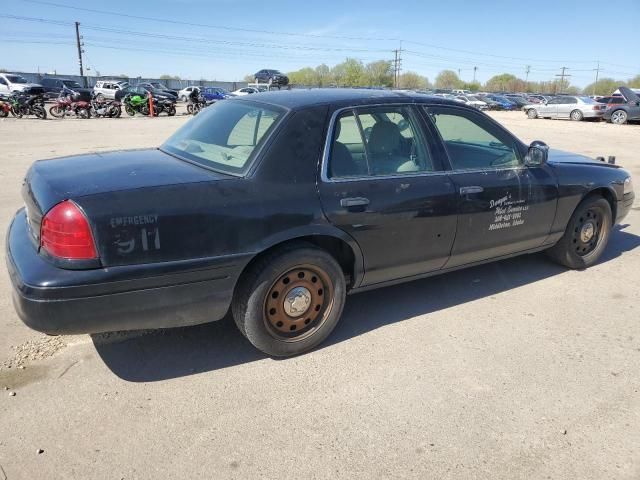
(69, 102)
(103, 108)
(194, 106)
(5, 108)
(134, 103)
(167, 105)
(25, 104)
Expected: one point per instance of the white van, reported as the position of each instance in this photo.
(12, 82)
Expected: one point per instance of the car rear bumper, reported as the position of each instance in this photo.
(57, 301)
(593, 113)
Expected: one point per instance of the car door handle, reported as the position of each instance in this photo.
(471, 189)
(354, 202)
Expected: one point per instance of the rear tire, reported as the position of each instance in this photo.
(532, 113)
(130, 111)
(619, 117)
(586, 236)
(290, 300)
(576, 115)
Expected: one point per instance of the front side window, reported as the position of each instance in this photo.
(377, 142)
(472, 142)
(225, 135)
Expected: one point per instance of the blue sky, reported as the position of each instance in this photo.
(225, 40)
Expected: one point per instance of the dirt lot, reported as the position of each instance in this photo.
(518, 369)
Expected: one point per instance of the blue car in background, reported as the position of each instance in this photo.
(213, 94)
(504, 102)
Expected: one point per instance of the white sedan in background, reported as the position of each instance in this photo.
(246, 91)
(185, 92)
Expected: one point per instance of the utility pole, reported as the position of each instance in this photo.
(526, 78)
(397, 67)
(562, 76)
(474, 74)
(395, 70)
(596, 82)
(80, 53)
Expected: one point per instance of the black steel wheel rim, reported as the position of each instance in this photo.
(587, 232)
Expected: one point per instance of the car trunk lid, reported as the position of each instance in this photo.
(49, 182)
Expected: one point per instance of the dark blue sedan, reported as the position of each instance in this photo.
(213, 94)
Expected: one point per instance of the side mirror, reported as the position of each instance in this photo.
(537, 154)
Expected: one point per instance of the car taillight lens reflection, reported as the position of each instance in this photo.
(65, 233)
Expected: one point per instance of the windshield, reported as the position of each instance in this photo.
(16, 79)
(587, 100)
(225, 135)
(71, 84)
(157, 85)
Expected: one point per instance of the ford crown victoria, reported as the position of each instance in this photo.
(275, 207)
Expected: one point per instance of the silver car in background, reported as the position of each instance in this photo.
(578, 107)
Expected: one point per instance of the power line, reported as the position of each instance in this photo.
(204, 25)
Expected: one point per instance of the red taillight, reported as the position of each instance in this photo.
(65, 233)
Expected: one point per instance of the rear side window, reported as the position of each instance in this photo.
(378, 141)
(225, 136)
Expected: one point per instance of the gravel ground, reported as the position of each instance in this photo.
(517, 369)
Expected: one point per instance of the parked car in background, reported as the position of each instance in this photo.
(624, 112)
(503, 102)
(161, 86)
(246, 91)
(612, 100)
(12, 82)
(473, 101)
(157, 91)
(107, 89)
(272, 77)
(575, 107)
(519, 100)
(53, 86)
(537, 98)
(183, 94)
(213, 94)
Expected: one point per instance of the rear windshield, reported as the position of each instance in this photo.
(587, 100)
(225, 135)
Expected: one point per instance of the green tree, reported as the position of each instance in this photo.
(354, 73)
(505, 82)
(338, 74)
(323, 75)
(473, 86)
(412, 81)
(249, 78)
(605, 86)
(305, 76)
(447, 79)
(169, 77)
(379, 74)
(634, 82)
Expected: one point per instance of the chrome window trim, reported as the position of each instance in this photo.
(324, 177)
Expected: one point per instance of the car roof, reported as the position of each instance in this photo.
(302, 98)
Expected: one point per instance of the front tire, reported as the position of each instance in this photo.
(290, 300)
(586, 236)
(57, 111)
(39, 112)
(576, 115)
(532, 113)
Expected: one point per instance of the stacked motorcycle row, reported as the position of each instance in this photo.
(87, 105)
